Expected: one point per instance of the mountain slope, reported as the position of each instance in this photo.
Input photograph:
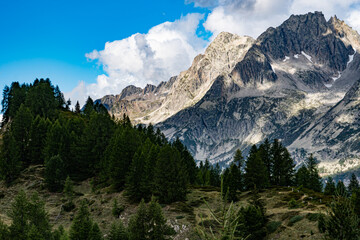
(285, 85)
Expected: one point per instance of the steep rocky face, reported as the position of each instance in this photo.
(311, 34)
(289, 84)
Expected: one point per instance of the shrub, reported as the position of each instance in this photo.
(294, 220)
(272, 226)
(293, 204)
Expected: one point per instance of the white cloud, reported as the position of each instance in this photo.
(169, 48)
(252, 17)
(165, 51)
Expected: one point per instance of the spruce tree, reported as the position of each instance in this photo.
(265, 155)
(302, 177)
(354, 184)
(282, 165)
(4, 231)
(255, 171)
(239, 162)
(233, 182)
(82, 224)
(118, 231)
(138, 223)
(330, 187)
(55, 173)
(170, 180)
(19, 215)
(77, 107)
(95, 233)
(341, 189)
(314, 181)
(10, 159)
(38, 133)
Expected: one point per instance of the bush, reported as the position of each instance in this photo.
(293, 204)
(294, 220)
(272, 226)
(313, 216)
(117, 210)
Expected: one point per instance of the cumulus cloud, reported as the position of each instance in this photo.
(169, 48)
(165, 51)
(252, 17)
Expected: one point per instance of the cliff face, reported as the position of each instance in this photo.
(287, 84)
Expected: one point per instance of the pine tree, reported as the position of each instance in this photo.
(95, 233)
(341, 222)
(19, 214)
(341, 189)
(256, 176)
(10, 159)
(170, 180)
(20, 128)
(55, 173)
(69, 189)
(38, 133)
(38, 217)
(158, 228)
(265, 155)
(77, 107)
(138, 223)
(330, 187)
(302, 177)
(89, 106)
(282, 165)
(239, 161)
(82, 224)
(4, 231)
(314, 181)
(118, 232)
(233, 182)
(354, 184)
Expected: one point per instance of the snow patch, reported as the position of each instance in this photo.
(328, 85)
(296, 56)
(307, 56)
(351, 58)
(286, 58)
(254, 138)
(336, 78)
(345, 118)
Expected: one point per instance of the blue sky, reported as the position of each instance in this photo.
(98, 47)
(50, 38)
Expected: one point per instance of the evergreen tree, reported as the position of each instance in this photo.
(341, 189)
(55, 173)
(118, 232)
(89, 106)
(251, 223)
(157, 227)
(314, 181)
(354, 184)
(341, 222)
(38, 217)
(330, 187)
(226, 178)
(265, 155)
(4, 231)
(186, 158)
(138, 223)
(302, 177)
(239, 161)
(19, 214)
(20, 129)
(255, 171)
(38, 133)
(136, 188)
(233, 182)
(170, 180)
(82, 224)
(95, 233)
(69, 189)
(10, 161)
(77, 107)
(282, 165)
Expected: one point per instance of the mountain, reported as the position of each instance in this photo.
(297, 82)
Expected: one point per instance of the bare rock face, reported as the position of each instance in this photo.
(297, 82)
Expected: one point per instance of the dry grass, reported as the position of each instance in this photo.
(182, 215)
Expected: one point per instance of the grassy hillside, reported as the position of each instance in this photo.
(286, 221)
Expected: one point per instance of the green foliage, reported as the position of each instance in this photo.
(282, 165)
(170, 179)
(256, 175)
(82, 227)
(10, 159)
(295, 219)
(293, 204)
(4, 231)
(55, 173)
(330, 187)
(227, 219)
(341, 189)
(341, 221)
(118, 232)
(117, 210)
(271, 227)
(251, 223)
(149, 223)
(69, 189)
(354, 184)
(29, 218)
